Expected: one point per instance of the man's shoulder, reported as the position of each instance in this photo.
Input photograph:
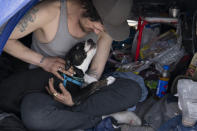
(49, 5)
(48, 10)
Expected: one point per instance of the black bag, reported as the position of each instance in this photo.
(163, 110)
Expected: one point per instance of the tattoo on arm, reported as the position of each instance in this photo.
(29, 17)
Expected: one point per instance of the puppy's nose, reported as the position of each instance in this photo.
(90, 41)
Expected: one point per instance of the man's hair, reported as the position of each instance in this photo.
(90, 10)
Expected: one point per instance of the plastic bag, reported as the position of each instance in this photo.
(187, 89)
(147, 35)
(158, 45)
(136, 67)
(169, 56)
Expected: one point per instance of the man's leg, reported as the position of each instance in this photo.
(120, 95)
(40, 112)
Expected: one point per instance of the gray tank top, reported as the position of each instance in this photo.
(62, 42)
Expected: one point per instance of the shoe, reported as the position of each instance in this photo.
(126, 117)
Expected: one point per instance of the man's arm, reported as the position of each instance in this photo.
(37, 19)
(34, 20)
(103, 48)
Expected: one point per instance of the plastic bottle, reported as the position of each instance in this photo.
(163, 82)
(171, 55)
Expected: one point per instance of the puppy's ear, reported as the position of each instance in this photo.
(68, 64)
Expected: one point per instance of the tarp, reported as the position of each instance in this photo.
(9, 9)
(11, 13)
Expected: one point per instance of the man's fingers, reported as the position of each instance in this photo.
(58, 75)
(53, 91)
(71, 70)
(70, 73)
(59, 98)
(66, 96)
(63, 97)
(47, 88)
(99, 27)
(61, 60)
(59, 67)
(51, 88)
(63, 89)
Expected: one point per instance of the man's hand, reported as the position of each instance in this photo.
(64, 97)
(55, 64)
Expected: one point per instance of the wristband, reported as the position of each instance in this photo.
(42, 59)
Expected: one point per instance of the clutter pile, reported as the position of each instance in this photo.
(163, 65)
(166, 71)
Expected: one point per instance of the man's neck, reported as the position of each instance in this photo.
(74, 11)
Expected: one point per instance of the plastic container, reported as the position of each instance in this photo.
(163, 82)
(171, 57)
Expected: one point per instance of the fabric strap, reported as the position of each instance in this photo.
(66, 78)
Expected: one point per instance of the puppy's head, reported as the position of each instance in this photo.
(80, 55)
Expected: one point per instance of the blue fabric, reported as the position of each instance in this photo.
(175, 124)
(12, 23)
(66, 78)
(137, 78)
(104, 125)
(9, 8)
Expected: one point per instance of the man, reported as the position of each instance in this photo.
(57, 26)
(57, 30)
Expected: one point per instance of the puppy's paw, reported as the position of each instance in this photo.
(110, 80)
(89, 79)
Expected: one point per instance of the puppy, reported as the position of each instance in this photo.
(79, 57)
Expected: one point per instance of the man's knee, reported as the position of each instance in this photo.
(34, 116)
(135, 90)
(131, 91)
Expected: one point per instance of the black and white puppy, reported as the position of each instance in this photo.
(80, 57)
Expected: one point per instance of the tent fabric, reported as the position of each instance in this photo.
(12, 22)
(9, 8)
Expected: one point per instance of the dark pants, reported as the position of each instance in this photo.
(40, 112)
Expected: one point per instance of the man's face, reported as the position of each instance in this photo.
(88, 26)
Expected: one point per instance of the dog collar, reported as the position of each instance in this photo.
(66, 78)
